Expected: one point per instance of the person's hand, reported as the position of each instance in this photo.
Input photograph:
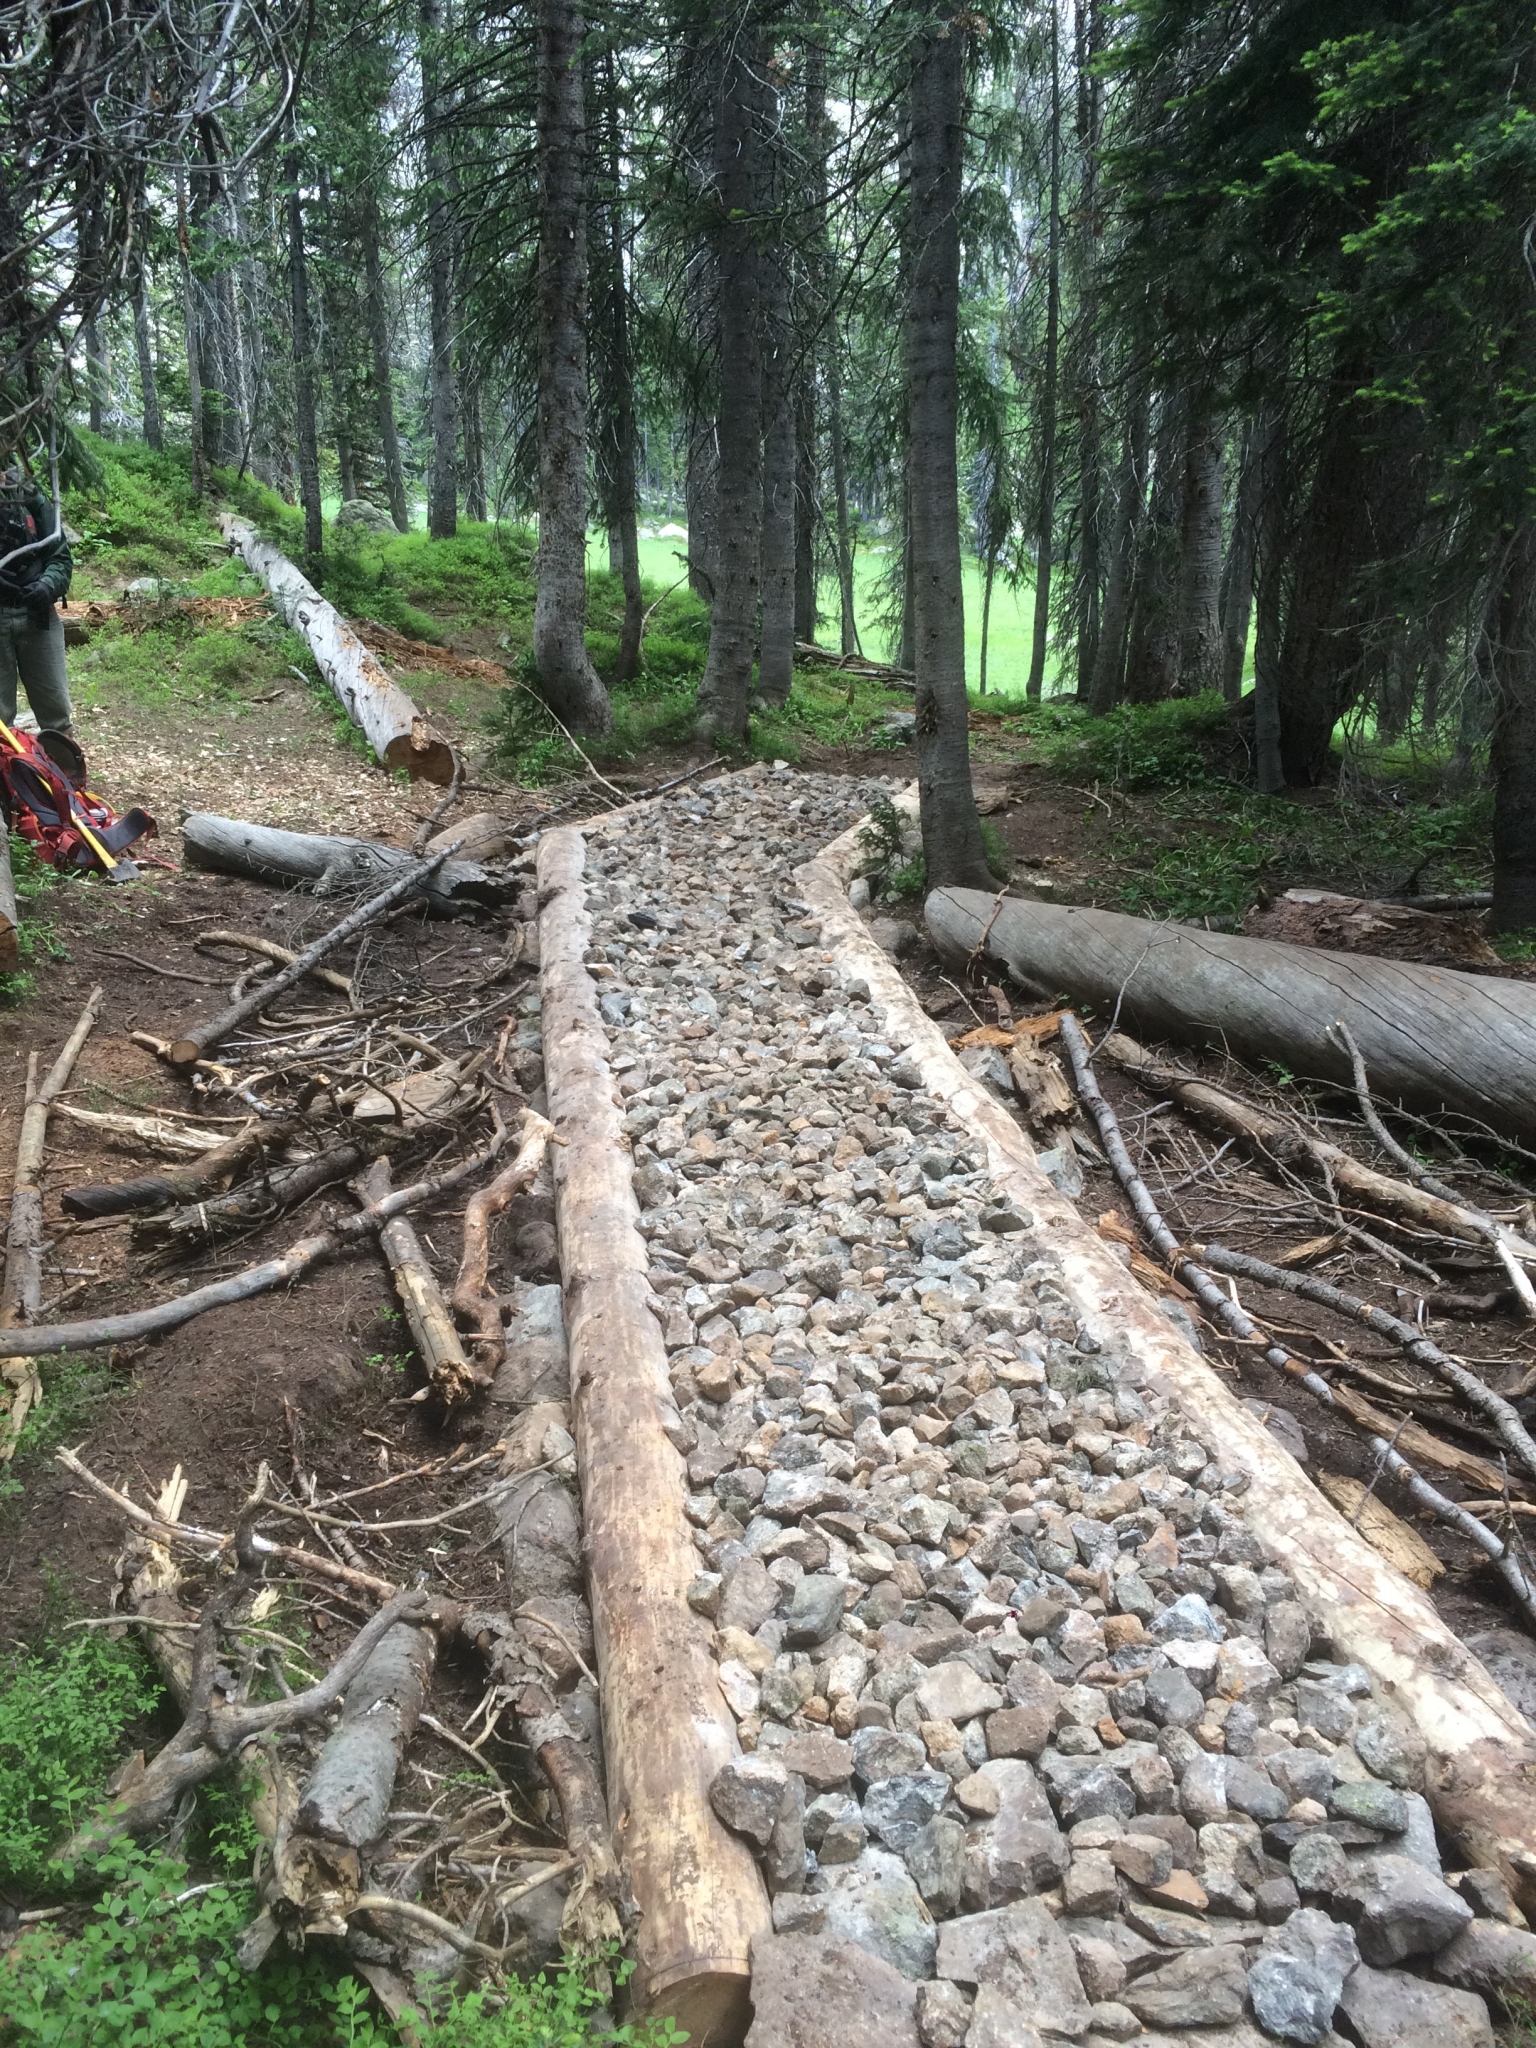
(39, 606)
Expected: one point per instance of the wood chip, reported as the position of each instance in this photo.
(1383, 1530)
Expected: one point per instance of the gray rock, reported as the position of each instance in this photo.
(815, 1609)
(1022, 1955)
(1511, 1660)
(875, 1903)
(1392, 1747)
(1301, 1774)
(747, 1793)
(1372, 1804)
(1404, 1911)
(1324, 1708)
(784, 1857)
(784, 1691)
(1204, 1987)
(1112, 2021)
(1275, 1900)
(997, 2022)
(1319, 1867)
(1492, 1958)
(886, 1753)
(1097, 1792)
(1250, 1792)
(1298, 1978)
(936, 1858)
(1188, 1620)
(749, 1593)
(1390, 2009)
(1488, 1895)
(1418, 1839)
(897, 1809)
(1098, 1965)
(1173, 1701)
(1203, 1789)
(816, 1991)
(1021, 1850)
(368, 518)
(821, 1760)
(953, 1691)
(809, 1491)
(893, 937)
(943, 2014)
(1287, 1637)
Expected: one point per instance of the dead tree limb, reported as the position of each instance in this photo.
(200, 1038)
(269, 949)
(281, 1271)
(1226, 1311)
(449, 1373)
(255, 1201)
(474, 1299)
(336, 864)
(184, 1184)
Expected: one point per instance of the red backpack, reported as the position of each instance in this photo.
(46, 803)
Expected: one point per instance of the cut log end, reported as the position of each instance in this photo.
(709, 2000)
(431, 761)
(183, 1052)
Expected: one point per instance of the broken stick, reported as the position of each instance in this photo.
(449, 1373)
(474, 1299)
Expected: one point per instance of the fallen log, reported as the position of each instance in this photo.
(667, 1731)
(10, 924)
(395, 729)
(449, 1373)
(255, 1201)
(187, 1050)
(288, 1266)
(1427, 1034)
(191, 1183)
(1481, 1776)
(334, 865)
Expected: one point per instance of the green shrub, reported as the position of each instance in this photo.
(1138, 745)
(63, 1718)
(140, 509)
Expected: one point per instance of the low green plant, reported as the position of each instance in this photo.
(64, 1714)
(995, 847)
(35, 884)
(1137, 746)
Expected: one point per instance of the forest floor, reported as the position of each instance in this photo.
(183, 714)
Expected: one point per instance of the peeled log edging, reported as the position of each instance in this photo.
(1428, 1035)
(1481, 1772)
(395, 729)
(667, 1730)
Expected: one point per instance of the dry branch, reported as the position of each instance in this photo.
(396, 730)
(188, 1184)
(667, 1731)
(1429, 1035)
(269, 949)
(449, 1373)
(257, 1200)
(333, 864)
(474, 1299)
(199, 1038)
(281, 1271)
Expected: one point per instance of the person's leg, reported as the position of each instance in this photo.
(40, 659)
(11, 623)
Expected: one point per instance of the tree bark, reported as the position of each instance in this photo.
(1130, 499)
(303, 371)
(475, 502)
(807, 425)
(1238, 568)
(1270, 553)
(383, 370)
(568, 680)
(443, 482)
(776, 651)
(144, 349)
(332, 865)
(619, 470)
(1427, 1034)
(952, 848)
(1088, 342)
(1152, 663)
(848, 624)
(1513, 752)
(700, 485)
(734, 196)
(1200, 643)
(189, 328)
(1045, 516)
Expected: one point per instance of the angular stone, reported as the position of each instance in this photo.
(897, 1809)
(997, 2022)
(748, 1595)
(1097, 1791)
(1287, 1637)
(1372, 1804)
(1301, 1773)
(820, 1992)
(1019, 1731)
(1203, 1790)
(1243, 1672)
(1298, 1978)
(815, 1609)
(1324, 1708)
(784, 1857)
(1167, 1927)
(821, 1760)
(886, 1753)
(1204, 1987)
(1390, 2009)
(784, 1691)
(1234, 1846)
(875, 1903)
(1180, 1890)
(943, 2014)
(1172, 1700)
(1488, 1895)
(1153, 1783)
(747, 1792)
(1090, 1884)
(1319, 1867)
(1404, 1911)
(1275, 1900)
(1392, 1747)
(936, 1858)
(1098, 1965)
(1188, 1619)
(1144, 1859)
(1112, 2021)
(810, 1491)
(1022, 1954)
(954, 1692)
(1250, 1792)
(1491, 1958)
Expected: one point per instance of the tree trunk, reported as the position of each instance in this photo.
(623, 492)
(906, 642)
(723, 693)
(1428, 1035)
(1269, 541)
(303, 372)
(1046, 515)
(144, 348)
(700, 484)
(989, 573)
(1152, 664)
(1085, 261)
(952, 848)
(807, 434)
(570, 683)
(383, 370)
(1237, 570)
(776, 652)
(189, 321)
(443, 483)
(1130, 498)
(1513, 753)
(475, 506)
(1200, 643)
(848, 624)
